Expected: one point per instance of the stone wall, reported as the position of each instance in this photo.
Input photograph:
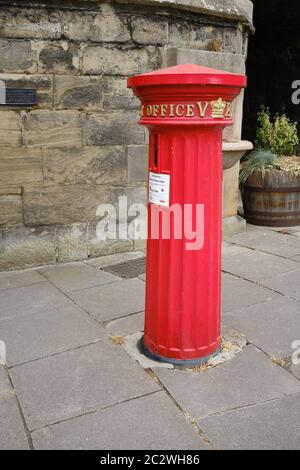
(80, 145)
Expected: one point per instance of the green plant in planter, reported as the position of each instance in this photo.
(275, 145)
(279, 136)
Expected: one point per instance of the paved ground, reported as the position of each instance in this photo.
(68, 385)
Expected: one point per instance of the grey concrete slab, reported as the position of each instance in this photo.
(286, 283)
(295, 369)
(254, 265)
(267, 426)
(9, 280)
(36, 335)
(12, 432)
(238, 293)
(76, 276)
(150, 422)
(127, 325)
(76, 382)
(30, 299)
(272, 326)
(249, 378)
(269, 241)
(113, 300)
(296, 258)
(116, 258)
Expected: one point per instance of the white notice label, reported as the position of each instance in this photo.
(159, 189)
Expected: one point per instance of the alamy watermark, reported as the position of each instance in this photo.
(179, 222)
(2, 353)
(296, 93)
(296, 353)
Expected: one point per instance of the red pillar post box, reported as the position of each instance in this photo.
(185, 109)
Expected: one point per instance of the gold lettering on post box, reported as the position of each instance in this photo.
(218, 108)
(189, 110)
(155, 109)
(163, 109)
(229, 110)
(202, 108)
(179, 113)
(172, 110)
(149, 110)
(142, 111)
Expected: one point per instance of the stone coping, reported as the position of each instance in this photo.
(240, 10)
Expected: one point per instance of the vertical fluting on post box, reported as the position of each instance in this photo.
(185, 108)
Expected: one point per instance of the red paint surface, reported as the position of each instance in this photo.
(183, 287)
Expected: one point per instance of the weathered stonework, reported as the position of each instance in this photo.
(80, 146)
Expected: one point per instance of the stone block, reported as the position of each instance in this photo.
(129, 292)
(137, 156)
(94, 430)
(146, 30)
(29, 300)
(75, 92)
(64, 204)
(179, 33)
(43, 84)
(205, 37)
(47, 128)
(99, 247)
(249, 378)
(9, 280)
(125, 61)
(230, 40)
(10, 128)
(20, 165)
(17, 56)
(116, 128)
(71, 242)
(76, 276)
(12, 432)
(256, 427)
(25, 247)
(238, 293)
(116, 95)
(105, 375)
(80, 165)
(102, 27)
(51, 331)
(29, 23)
(58, 57)
(11, 213)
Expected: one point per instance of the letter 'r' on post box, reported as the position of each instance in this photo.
(185, 109)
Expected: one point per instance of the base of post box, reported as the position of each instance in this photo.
(176, 362)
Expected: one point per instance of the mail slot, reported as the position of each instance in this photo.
(185, 109)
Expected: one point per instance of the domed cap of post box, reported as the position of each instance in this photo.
(188, 74)
(187, 95)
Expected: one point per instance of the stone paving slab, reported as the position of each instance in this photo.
(114, 300)
(9, 280)
(254, 265)
(12, 432)
(296, 258)
(116, 258)
(76, 382)
(269, 241)
(272, 326)
(30, 299)
(76, 276)
(286, 283)
(273, 425)
(149, 422)
(250, 377)
(36, 335)
(127, 325)
(238, 293)
(295, 369)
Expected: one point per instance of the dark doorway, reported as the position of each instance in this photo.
(273, 61)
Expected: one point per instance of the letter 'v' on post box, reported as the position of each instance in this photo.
(185, 109)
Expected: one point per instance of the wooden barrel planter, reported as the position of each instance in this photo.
(272, 198)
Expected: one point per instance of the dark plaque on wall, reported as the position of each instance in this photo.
(18, 97)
